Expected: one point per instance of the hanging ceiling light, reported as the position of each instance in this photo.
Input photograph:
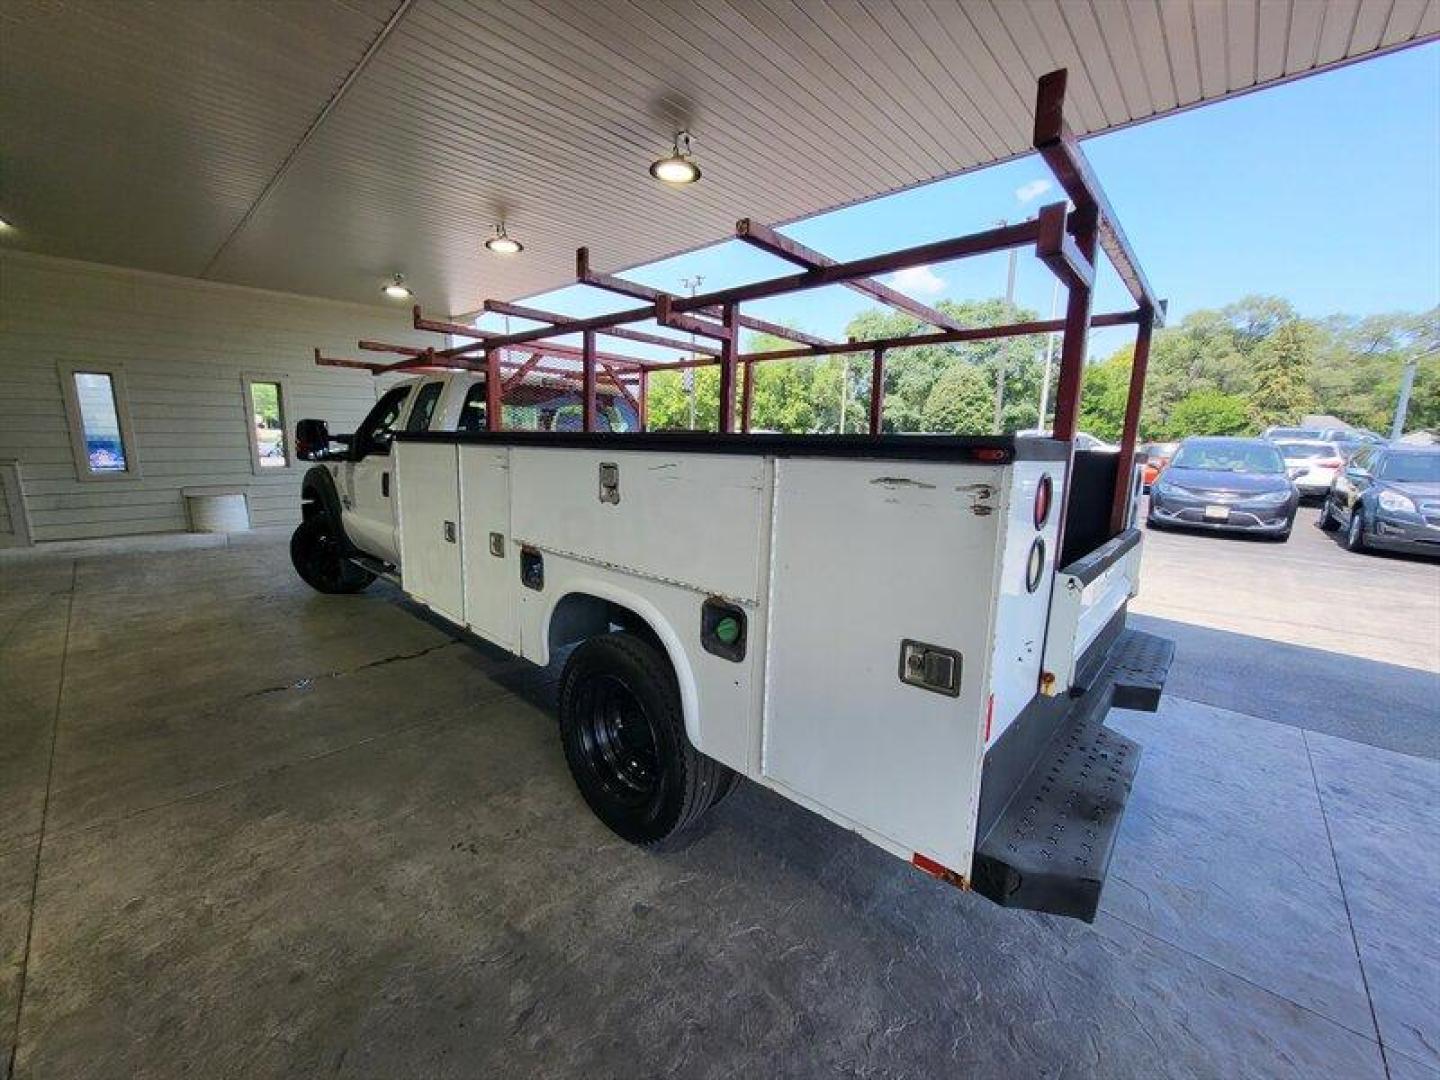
(397, 289)
(502, 244)
(677, 169)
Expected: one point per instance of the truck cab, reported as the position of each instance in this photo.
(362, 473)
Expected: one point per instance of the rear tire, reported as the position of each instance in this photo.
(317, 553)
(1355, 533)
(623, 730)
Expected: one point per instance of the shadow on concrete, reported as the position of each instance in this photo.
(1384, 705)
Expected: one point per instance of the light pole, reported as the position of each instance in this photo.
(1407, 383)
(692, 284)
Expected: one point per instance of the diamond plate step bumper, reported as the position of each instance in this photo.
(1049, 850)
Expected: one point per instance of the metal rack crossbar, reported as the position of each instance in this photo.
(1065, 240)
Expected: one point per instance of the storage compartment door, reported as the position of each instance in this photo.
(428, 479)
(869, 555)
(492, 572)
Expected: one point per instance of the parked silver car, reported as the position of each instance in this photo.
(1312, 464)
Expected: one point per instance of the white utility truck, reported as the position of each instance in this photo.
(916, 637)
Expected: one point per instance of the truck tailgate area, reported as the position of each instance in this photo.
(1049, 847)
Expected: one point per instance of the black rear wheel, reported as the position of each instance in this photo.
(623, 730)
(318, 554)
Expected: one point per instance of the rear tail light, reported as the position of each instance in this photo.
(1044, 496)
(1330, 463)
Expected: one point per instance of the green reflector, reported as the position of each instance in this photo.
(728, 630)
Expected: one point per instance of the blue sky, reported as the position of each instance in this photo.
(1325, 191)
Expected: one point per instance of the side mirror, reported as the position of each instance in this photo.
(312, 439)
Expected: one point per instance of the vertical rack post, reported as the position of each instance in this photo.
(729, 349)
(493, 390)
(644, 395)
(877, 390)
(587, 416)
(1076, 333)
(1125, 462)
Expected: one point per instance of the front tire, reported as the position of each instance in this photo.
(623, 730)
(1355, 534)
(1328, 521)
(317, 553)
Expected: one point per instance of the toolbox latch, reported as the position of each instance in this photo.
(930, 667)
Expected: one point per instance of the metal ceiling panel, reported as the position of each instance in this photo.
(319, 146)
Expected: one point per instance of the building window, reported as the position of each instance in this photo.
(265, 414)
(100, 436)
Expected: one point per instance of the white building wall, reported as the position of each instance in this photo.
(184, 345)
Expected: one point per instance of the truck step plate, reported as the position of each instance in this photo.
(1138, 665)
(1051, 848)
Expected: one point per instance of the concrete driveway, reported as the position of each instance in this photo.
(246, 830)
(1303, 633)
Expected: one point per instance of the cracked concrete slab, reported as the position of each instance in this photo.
(34, 612)
(1223, 851)
(294, 834)
(441, 904)
(1383, 811)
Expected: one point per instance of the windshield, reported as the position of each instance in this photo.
(1292, 433)
(1306, 451)
(1236, 457)
(1411, 468)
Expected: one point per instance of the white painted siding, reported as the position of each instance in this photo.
(185, 345)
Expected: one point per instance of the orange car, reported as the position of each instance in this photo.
(1157, 456)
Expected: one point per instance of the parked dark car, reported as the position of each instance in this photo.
(1387, 497)
(1229, 484)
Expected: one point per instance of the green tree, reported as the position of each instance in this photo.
(1281, 362)
(960, 403)
(1209, 412)
(1103, 396)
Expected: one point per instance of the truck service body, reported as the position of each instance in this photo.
(916, 637)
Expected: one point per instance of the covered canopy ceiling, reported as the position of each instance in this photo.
(319, 146)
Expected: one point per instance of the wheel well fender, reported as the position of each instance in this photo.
(590, 607)
(318, 494)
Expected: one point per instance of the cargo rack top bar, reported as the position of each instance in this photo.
(1065, 240)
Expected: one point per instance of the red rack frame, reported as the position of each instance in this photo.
(1065, 240)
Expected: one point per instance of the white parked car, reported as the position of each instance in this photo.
(1083, 440)
(1312, 464)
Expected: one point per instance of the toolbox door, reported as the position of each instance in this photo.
(427, 477)
(881, 590)
(492, 574)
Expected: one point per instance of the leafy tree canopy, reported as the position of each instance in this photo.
(1233, 370)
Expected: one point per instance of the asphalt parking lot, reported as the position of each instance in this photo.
(1302, 633)
(238, 838)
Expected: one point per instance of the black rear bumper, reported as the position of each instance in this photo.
(1046, 838)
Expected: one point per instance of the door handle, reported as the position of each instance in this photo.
(385, 485)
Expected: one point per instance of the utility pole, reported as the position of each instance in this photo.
(693, 284)
(1000, 364)
(1049, 357)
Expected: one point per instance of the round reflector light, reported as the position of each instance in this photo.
(1035, 566)
(1044, 496)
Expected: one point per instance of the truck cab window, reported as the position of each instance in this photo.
(378, 431)
(472, 409)
(424, 408)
